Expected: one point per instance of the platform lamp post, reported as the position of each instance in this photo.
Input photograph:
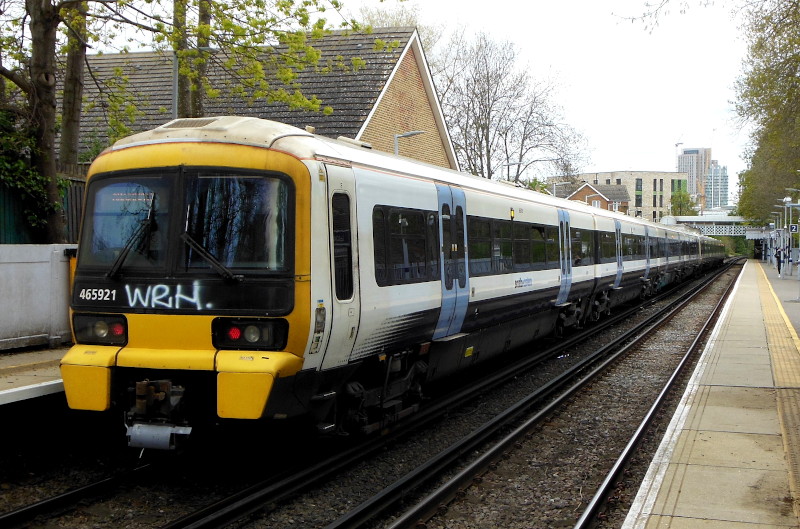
(792, 190)
(404, 135)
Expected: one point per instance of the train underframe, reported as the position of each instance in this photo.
(366, 396)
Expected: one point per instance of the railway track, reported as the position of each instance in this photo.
(279, 489)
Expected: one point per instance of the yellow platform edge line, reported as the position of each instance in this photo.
(783, 314)
(786, 398)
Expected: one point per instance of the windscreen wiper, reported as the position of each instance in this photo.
(146, 227)
(220, 268)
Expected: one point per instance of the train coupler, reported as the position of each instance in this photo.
(158, 436)
(154, 419)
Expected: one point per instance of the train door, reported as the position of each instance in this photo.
(647, 252)
(453, 257)
(618, 231)
(345, 299)
(566, 256)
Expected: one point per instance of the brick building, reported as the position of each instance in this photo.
(603, 196)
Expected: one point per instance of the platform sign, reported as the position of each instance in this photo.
(793, 228)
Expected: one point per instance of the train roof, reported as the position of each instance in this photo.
(306, 145)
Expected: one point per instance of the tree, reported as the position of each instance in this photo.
(72, 99)
(403, 15)
(499, 116)
(682, 204)
(29, 47)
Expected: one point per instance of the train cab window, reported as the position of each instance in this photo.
(122, 213)
(242, 221)
(342, 246)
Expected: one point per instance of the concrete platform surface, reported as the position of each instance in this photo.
(731, 455)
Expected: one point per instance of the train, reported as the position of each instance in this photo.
(239, 269)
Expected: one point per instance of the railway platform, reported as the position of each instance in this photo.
(731, 455)
(30, 374)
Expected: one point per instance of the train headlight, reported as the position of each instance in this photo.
(252, 333)
(100, 329)
(236, 333)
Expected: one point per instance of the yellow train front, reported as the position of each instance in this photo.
(194, 264)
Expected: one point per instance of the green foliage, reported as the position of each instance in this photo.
(737, 245)
(768, 95)
(682, 204)
(17, 149)
(241, 39)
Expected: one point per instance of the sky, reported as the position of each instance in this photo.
(633, 92)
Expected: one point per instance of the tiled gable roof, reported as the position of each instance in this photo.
(614, 193)
(149, 77)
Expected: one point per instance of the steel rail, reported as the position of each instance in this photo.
(24, 515)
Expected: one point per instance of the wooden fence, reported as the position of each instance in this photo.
(14, 227)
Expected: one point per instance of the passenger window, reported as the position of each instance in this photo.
(379, 244)
(407, 246)
(342, 246)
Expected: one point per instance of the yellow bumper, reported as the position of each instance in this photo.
(245, 379)
(86, 372)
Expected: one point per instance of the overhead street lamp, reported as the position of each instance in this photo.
(404, 135)
(508, 165)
